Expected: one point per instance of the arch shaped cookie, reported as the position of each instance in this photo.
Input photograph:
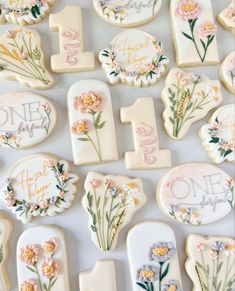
(227, 16)
(227, 72)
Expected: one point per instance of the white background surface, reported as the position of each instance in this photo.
(82, 253)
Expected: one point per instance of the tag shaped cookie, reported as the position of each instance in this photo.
(227, 17)
(227, 72)
(92, 123)
(22, 59)
(72, 57)
(210, 263)
(24, 12)
(39, 185)
(110, 202)
(153, 259)
(127, 13)
(196, 194)
(5, 231)
(218, 136)
(26, 119)
(42, 260)
(194, 32)
(135, 58)
(94, 279)
(147, 154)
(188, 97)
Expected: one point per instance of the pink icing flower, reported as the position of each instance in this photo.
(46, 106)
(49, 268)
(88, 102)
(188, 10)
(200, 247)
(94, 183)
(183, 82)
(61, 194)
(29, 285)
(50, 246)
(213, 254)
(51, 163)
(107, 184)
(43, 204)
(10, 202)
(230, 13)
(10, 34)
(81, 127)
(207, 28)
(229, 182)
(30, 254)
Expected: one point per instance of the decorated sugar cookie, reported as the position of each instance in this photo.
(92, 123)
(127, 13)
(194, 32)
(42, 260)
(72, 57)
(110, 202)
(187, 97)
(218, 136)
(94, 279)
(196, 194)
(22, 59)
(227, 17)
(24, 11)
(26, 119)
(39, 185)
(5, 231)
(210, 263)
(153, 259)
(135, 58)
(227, 72)
(147, 154)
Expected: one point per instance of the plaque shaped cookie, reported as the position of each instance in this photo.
(92, 123)
(39, 185)
(22, 59)
(135, 58)
(110, 202)
(153, 258)
(26, 119)
(187, 97)
(227, 17)
(194, 32)
(24, 12)
(42, 260)
(210, 263)
(127, 13)
(218, 136)
(94, 279)
(196, 194)
(227, 72)
(5, 231)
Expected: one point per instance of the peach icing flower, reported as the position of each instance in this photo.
(10, 202)
(200, 247)
(29, 285)
(43, 204)
(88, 102)
(61, 194)
(188, 10)
(51, 163)
(81, 127)
(229, 13)
(107, 184)
(50, 246)
(10, 34)
(94, 183)
(49, 268)
(213, 254)
(229, 182)
(46, 106)
(30, 254)
(207, 28)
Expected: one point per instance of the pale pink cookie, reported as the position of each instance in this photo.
(187, 97)
(39, 185)
(194, 32)
(196, 194)
(210, 263)
(110, 203)
(227, 17)
(227, 72)
(22, 59)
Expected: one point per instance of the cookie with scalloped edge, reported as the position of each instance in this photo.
(227, 18)
(227, 72)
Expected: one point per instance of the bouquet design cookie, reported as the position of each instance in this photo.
(5, 231)
(210, 263)
(218, 136)
(72, 57)
(94, 279)
(110, 202)
(22, 59)
(196, 194)
(24, 12)
(147, 154)
(227, 17)
(188, 97)
(127, 13)
(194, 32)
(39, 185)
(153, 259)
(92, 123)
(135, 58)
(26, 119)
(227, 72)
(42, 260)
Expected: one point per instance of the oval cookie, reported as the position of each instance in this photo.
(26, 119)
(196, 194)
(227, 72)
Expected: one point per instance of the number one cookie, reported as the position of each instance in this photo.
(72, 58)
(147, 154)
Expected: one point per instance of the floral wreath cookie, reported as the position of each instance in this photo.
(39, 185)
(134, 58)
(24, 12)
(196, 194)
(227, 17)
(126, 13)
(227, 72)
(218, 136)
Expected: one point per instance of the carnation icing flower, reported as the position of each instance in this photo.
(162, 252)
(107, 184)
(81, 127)
(188, 10)
(207, 28)
(50, 246)
(49, 268)
(172, 285)
(94, 183)
(29, 285)
(89, 102)
(30, 254)
(147, 274)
